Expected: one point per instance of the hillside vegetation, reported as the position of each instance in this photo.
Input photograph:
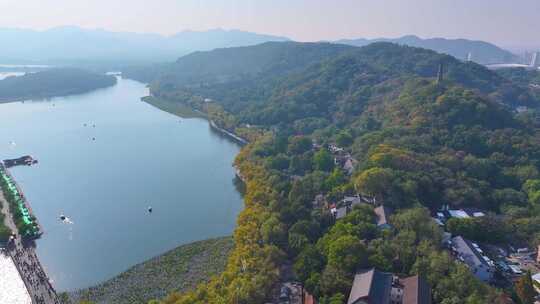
(52, 83)
(306, 83)
(236, 66)
(419, 145)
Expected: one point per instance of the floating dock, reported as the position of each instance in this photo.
(26, 160)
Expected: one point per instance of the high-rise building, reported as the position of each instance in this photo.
(535, 62)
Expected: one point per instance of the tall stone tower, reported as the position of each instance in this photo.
(440, 73)
(469, 56)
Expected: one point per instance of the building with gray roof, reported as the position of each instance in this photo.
(470, 254)
(371, 287)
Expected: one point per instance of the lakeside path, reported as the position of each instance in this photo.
(235, 137)
(24, 256)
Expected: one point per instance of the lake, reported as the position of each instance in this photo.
(104, 158)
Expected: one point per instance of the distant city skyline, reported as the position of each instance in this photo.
(506, 23)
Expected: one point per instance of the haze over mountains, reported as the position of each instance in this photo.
(75, 45)
(481, 51)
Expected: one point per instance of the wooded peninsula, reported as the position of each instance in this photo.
(52, 83)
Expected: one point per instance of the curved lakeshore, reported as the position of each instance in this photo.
(233, 136)
(182, 169)
(185, 111)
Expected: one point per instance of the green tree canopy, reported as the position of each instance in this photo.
(323, 160)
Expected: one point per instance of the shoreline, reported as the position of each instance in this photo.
(22, 253)
(179, 110)
(159, 103)
(231, 135)
(29, 252)
(4, 169)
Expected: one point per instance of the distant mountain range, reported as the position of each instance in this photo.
(77, 45)
(481, 51)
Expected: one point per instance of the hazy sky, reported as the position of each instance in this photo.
(505, 22)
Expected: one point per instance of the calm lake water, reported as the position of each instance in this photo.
(141, 157)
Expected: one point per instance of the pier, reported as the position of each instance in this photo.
(21, 248)
(26, 160)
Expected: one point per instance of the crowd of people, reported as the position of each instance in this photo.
(32, 273)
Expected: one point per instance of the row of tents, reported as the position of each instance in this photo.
(28, 227)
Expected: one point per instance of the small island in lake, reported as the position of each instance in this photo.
(52, 83)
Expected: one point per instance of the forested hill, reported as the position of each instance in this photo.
(283, 82)
(52, 83)
(481, 51)
(340, 87)
(415, 145)
(227, 65)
